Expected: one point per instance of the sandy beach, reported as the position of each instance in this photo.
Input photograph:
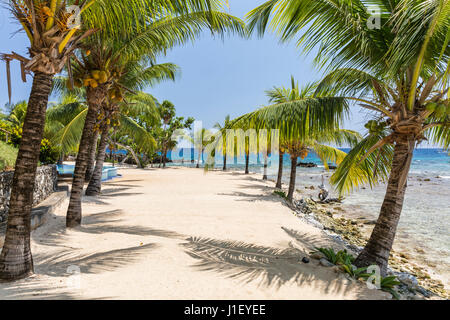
(179, 233)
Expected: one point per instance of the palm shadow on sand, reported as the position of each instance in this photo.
(267, 266)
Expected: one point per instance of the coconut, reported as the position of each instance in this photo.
(47, 10)
(431, 106)
(96, 74)
(441, 110)
(87, 82)
(94, 83)
(78, 83)
(103, 77)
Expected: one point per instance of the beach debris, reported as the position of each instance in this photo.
(301, 206)
(305, 260)
(323, 193)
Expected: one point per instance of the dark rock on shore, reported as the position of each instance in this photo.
(307, 165)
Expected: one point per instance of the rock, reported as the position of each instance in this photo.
(305, 260)
(317, 255)
(336, 269)
(387, 295)
(324, 262)
(312, 188)
(45, 185)
(370, 222)
(307, 165)
(423, 291)
(408, 280)
(427, 180)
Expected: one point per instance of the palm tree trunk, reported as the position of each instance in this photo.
(95, 184)
(290, 195)
(199, 157)
(247, 159)
(164, 158)
(265, 167)
(91, 161)
(225, 162)
(378, 248)
(95, 98)
(280, 170)
(16, 260)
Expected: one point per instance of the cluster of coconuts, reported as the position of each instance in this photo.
(92, 80)
(438, 108)
(375, 127)
(116, 94)
(112, 119)
(303, 153)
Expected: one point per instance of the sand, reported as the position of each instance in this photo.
(178, 233)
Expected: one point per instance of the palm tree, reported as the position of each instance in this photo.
(53, 40)
(305, 122)
(398, 70)
(169, 25)
(134, 77)
(167, 113)
(223, 129)
(54, 34)
(282, 95)
(202, 138)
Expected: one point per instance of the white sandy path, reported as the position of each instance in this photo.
(180, 234)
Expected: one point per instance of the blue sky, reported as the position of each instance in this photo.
(217, 77)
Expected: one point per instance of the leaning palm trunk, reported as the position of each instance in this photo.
(95, 98)
(16, 260)
(290, 195)
(280, 170)
(265, 167)
(380, 243)
(95, 184)
(91, 161)
(130, 150)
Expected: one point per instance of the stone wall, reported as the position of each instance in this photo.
(46, 183)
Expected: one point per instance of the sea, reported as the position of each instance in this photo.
(424, 227)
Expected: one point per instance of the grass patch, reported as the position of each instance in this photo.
(8, 155)
(281, 194)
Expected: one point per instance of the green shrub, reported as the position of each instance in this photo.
(345, 261)
(355, 272)
(388, 283)
(49, 154)
(280, 193)
(8, 155)
(339, 258)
